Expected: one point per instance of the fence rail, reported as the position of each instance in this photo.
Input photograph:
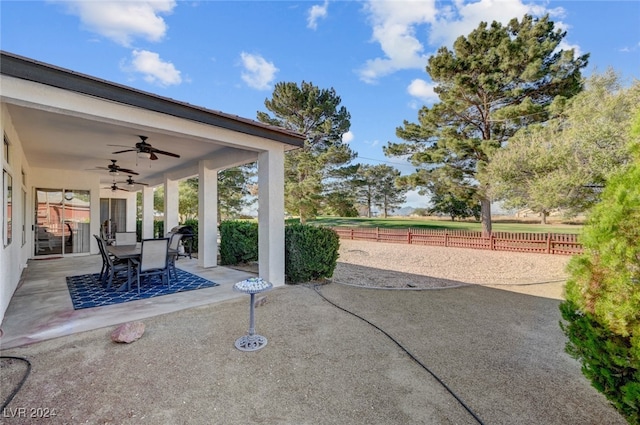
(544, 243)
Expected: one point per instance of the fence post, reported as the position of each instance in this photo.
(351, 233)
(409, 236)
(446, 238)
(492, 242)
(377, 234)
(548, 242)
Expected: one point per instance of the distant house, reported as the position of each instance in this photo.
(61, 130)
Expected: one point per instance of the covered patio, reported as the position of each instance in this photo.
(61, 130)
(41, 308)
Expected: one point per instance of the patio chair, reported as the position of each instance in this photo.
(174, 245)
(126, 238)
(154, 260)
(110, 266)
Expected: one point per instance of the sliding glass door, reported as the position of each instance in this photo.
(113, 216)
(62, 220)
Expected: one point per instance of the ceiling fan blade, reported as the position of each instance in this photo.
(126, 150)
(120, 146)
(113, 189)
(152, 156)
(132, 182)
(164, 153)
(127, 171)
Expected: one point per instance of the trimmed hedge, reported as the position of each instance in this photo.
(311, 252)
(238, 242)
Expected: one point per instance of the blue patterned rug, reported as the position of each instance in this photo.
(87, 291)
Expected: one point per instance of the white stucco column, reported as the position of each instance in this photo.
(271, 216)
(170, 205)
(207, 215)
(132, 201)
(147, 212)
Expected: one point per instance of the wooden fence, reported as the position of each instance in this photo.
(546, 243)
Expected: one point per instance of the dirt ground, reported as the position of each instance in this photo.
(380, 357)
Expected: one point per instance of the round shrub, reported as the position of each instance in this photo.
(311, 252)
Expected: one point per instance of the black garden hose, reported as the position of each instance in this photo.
(22, 381)
(413, 357)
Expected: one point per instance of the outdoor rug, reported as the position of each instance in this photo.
(87, 291)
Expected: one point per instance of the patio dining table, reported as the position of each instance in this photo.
(129, 253)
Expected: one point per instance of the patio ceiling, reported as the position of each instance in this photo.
(74, 128)
(65, 142)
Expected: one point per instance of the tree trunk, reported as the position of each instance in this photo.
(543, 217)
(485, 213)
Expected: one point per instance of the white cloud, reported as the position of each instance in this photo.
(403, 28)
(317, 12)
(422, 90)
(415, 200)
(122, 21)
(348, 136)
(463, 17)
(372, 143)
(154, 69)
(258, 73)
(394, 28)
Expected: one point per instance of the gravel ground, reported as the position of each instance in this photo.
(502, 353)
(386, 265)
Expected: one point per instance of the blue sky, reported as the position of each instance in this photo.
(227, 55)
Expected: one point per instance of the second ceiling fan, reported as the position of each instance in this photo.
(142, 147)
(131, 182)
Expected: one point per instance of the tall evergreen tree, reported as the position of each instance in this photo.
(494, 81)
(236, 190)
(376, 185)
(317, 114)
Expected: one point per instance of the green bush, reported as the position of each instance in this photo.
(606, 360)
(602, 307)
(311, 252)
(158, 228)
(238, 242)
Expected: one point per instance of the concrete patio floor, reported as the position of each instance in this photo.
(41, 308)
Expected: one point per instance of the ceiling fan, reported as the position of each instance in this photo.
(114, 187)
(130, 182)
(116, 169)
(144, 148)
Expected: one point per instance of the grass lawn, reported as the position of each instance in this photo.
(430, 223)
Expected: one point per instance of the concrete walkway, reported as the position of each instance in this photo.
(500, 353)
